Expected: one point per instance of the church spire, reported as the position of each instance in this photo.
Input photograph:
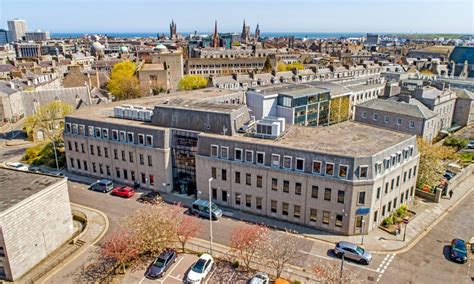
(215, 37)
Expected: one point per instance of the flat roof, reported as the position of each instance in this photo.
(152, 67)
(348, 139)
(16, 186)
(304, 92)
(201, 106)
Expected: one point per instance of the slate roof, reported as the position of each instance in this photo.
(463, 53)
(414, 109)
(464, 94)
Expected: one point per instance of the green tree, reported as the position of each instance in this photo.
(49, 119)
(267, 67)
(288, 67)
(282, 67)
(192, 82)
(456, 142)
(123, 83)
(431, 165)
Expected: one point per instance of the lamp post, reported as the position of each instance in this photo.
(210, 215)
(342, 267)
(363, 223)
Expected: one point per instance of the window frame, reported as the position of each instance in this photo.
(326, 169)
(296, 164)
(263, 158)
(279, 160)
(366, 171)
(226, 149)
(251, 155)
(241, 154)
(320, 166)
(339, 171)
(216, 148)
(291, 162)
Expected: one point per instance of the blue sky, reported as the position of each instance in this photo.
(450, 16)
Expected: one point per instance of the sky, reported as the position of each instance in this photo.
(381, 16)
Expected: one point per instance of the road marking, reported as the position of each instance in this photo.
(334, 259)
(175, 278)
(171, 271)
(231, 276)
(140, 282)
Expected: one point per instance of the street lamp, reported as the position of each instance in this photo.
(210, 215)
(363, 223)
(342, 266)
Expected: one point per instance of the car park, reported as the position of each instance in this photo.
(161, 264)
(260, 278)
(103, 185)
(17, 166)
(201, 207)
(458, 251)
(200, 270)
(352, 251)
(150, 197)
(123, 191)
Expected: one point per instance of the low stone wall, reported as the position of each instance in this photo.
(461, 176)
(433, 197)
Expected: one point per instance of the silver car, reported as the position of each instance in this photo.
(353, 251)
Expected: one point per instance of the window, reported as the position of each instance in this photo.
(361, 199)
(273, 206)
(238, 154)
(364, 114)
(132, 175)
(248, 179)
(404, 176)
(399, 157)
(378, 192)
(258, 203)
(274, 184)
(412, 124)
(78, 163)
(141, 139)
(97, 132)
(286, 186)
(225, 152)
(297, 211)
(114, 135)
(358, 222)
(237, 199)
(68, 128)
(141, 160)
(329, 169)
(122, 136)
(327, 194)
(152, 179)
(287, 162)
(214, 150)
(383, 210)
(224, 196)
(90, 130)
(76, 146)
(314, 191)
(313, 215)
(249, 156)
(213, 172)
(386, 119)
(299, 164)
(214, 193)
(389, 207)
(375, 117)
(326, 217)
(275, 160)
(284, 209)
(150, 161)
(83, 149)
(338, 220)
(401, 197)
(363, 171)
(392, 184)
(129, 137)
(259, 181)
(298, 188)
(378, 168)
(94, 167)
(224, 174)
(399, 121)
(149, 140)
(130, 157)
(99, 153)
(69, 145)
(106, 152)
(398, 181)
(386, 187)
(71, 160)
(343, 171)
(409, 174)
(340, 196)
(395, 203)
(143, 178)
(386, 163)
(115, 154)
(394, 159)
(117, 172)
(260, 158)
(125, 174)
(248, 200)
(375, 216)
(92, 150)
(105, 133)
(237, 177)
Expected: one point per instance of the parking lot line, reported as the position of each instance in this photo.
(171, 271)
(141, 280)
(348, 263)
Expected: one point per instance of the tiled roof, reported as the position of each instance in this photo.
(414, 108)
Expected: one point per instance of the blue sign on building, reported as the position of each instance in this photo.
(362, 211)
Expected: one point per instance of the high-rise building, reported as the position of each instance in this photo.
(17, 28)
(3, 37)
(37, 36)
(372, 39)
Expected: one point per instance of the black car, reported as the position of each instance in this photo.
(150, 197)
(458, 251)
(161, 264)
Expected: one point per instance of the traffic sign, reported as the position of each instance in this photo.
(405, 221)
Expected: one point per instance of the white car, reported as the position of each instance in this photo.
(18, 166)
(260, 278)
(200, 269)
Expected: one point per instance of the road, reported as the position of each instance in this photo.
(428, 261)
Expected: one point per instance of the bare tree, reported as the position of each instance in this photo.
(331, 273)
(248, 242)
(188, 228)
(120, 247)
(281, 249)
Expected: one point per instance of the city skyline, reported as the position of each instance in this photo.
(343, 16)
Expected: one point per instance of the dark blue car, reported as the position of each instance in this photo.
(458, 251)
(161, 264)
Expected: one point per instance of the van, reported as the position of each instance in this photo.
(103, 185)
(201, 207)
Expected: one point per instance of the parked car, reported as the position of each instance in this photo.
(448, 175)
(35, 169)
(353, 251)
(56, 173)
(161, 264)
(123, 191)
(260, 278)
(150, 197)
(200, 269)
(103, 185)
(201, 207)
(17, 166)
(458, 251)
(470, 145)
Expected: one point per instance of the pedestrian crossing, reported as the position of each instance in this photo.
(384, 265)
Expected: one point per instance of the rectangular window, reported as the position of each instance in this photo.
(117, 172)
(224, 196)
(314, 191)
(214, 150)
(392, 184)
(376, 213)
(389, 207)
(299, 164)
(224, 174)
(248, 200)
(141, 159)
(90, 131)
(340, 196)
(97, 132)
(71, 161)
(143, 178)
(386, 119)
(237, 199)
(115, 154)
(115, 135)
(141, 139)
(259, 181)
(85, 165)
(237, 177)
(78, 163)
(123, 155)
(76, 147)
(327, 194)
(286, 186)
(152, 179)
(375, 116)
(399, 121)
(358, 222)
(248, 156)
(326, 215)
(404, 177)
(99, 153)
(149, 140)
(383, 210)
(238, 154)
(132, 175)
(105, 133)
(338, 222)
(395, 203)
(94, 167)
(258, 203)
(412, 124)
(83, 150)
(378, 192)
(260, 158)
(386, 163)
(214, 193)
(287, 162)
(409, 174)
(106, 152)
(130, 157)
(273, 206)
(125, 174)
(401, 197)
(363, 171)
(68, 128)
(284, 209)
(248, 179)
(92, 150)
(329, 169)
(297, 211)
(298, 188)
(343, 171)
(69, 145)
(361, 199)
(150, 161)
(398, 181)
(274, 184)
(225, 152)
(275, 160)
(129, 137)
(364, 114)
(386, 187)
(313, 215)
(213, 172)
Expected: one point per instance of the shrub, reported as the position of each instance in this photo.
(388, 221)
(456, 142)
(402, 211)
(235, 264)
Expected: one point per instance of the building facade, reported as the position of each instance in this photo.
(17, 29)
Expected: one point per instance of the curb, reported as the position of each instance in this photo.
(82, 249)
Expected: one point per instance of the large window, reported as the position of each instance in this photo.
(340, 196)
(326, 215)
(313, 215)
(327, 194)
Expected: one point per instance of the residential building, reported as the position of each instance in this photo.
(37, 36)
(464, 108)
(223, 66)
(17, 29)
(35, 220)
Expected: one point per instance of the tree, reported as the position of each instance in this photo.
(431, 167)
(267, 66)
(281, 249)
(192, 82)
(188, 227)
(248, 242)
(331, 273)
(339, 110)
(456, 142)
(49, 119)
(288, 67)
(123, 83)
(121, 247)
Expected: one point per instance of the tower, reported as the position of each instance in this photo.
(215, 37)
(245, 33)
(173, 34)
(257, 33)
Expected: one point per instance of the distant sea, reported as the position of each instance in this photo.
(312, 35)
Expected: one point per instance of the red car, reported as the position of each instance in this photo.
(123, 191)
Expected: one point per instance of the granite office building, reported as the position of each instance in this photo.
(343, 178)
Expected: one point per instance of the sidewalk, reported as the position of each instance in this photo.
(96, 226)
